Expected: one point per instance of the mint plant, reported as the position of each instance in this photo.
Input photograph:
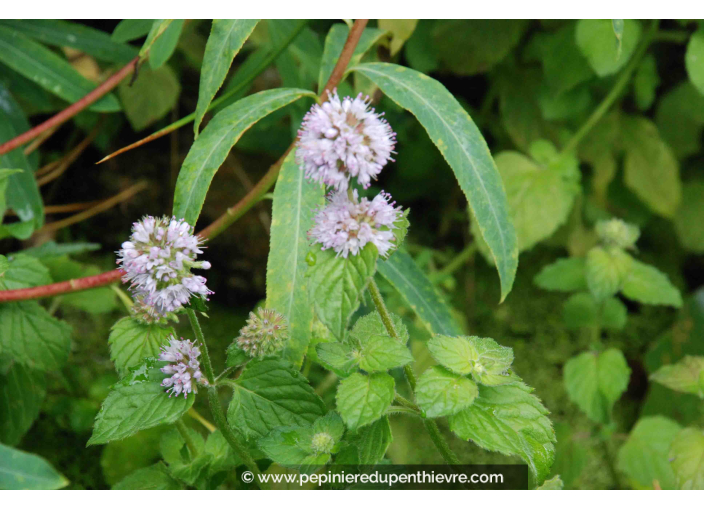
(367, 315)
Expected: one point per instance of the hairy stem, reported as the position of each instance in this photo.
(183, 430)
(71, 111)
(430, 424)
(214, 400)
(614, 93)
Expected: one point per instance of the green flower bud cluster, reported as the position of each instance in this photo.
(616, 232)
(264, 334)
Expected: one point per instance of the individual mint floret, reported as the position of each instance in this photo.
(264, 334)
(347, 224)
(341, 139)
(184, 370)
(157, 261)
(616, 232)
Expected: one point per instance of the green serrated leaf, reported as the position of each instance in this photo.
(644, 456)
(293, 210)
(270, 393)
(605, 53)
(510, 420)
(441, 393)
(565, 275)
(363, 399)
(686, 376)
(687, 457)
(214, 143)
(32, 337)
(336, 285)
(381, 353)
(401, 271)
(236, 356)
(48, 70)
(24, 271)
(606, 270)
(338, 357)
(131, 341)
(137, 402)
(22, 392)
(22, 470)
(226, 39)
(372, 441)
(596, 381)
(484, 358)
(648, 285)
(552, 484)
(371, 325)
(156, 477)
(458, 139)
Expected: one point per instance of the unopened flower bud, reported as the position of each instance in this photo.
(264, 334)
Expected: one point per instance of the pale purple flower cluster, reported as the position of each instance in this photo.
(158, 259)
(341, 139)
(184, 370)
(347, 224)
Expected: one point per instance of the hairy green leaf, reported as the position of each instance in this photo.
(606, 270)
(440, 392)
(271, 393)
(154, 477)
(582, 310)
(381, 353)
(373, 440)
(363, 399)
(510, 420)
(336, 285)
(131, 341)
(484, 358)
(138, 401)
(22, 392)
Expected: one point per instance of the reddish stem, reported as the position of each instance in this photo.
(72, 110)
(218, 225)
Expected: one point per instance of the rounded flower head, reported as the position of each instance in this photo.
(322, 442)
(341, 139)
(264, 334)
(184, 370)
(158, 259)
(616, 232)
(347, 225)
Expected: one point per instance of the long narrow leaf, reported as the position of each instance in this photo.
(211, 148)
(457, 137)
(226, 38)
